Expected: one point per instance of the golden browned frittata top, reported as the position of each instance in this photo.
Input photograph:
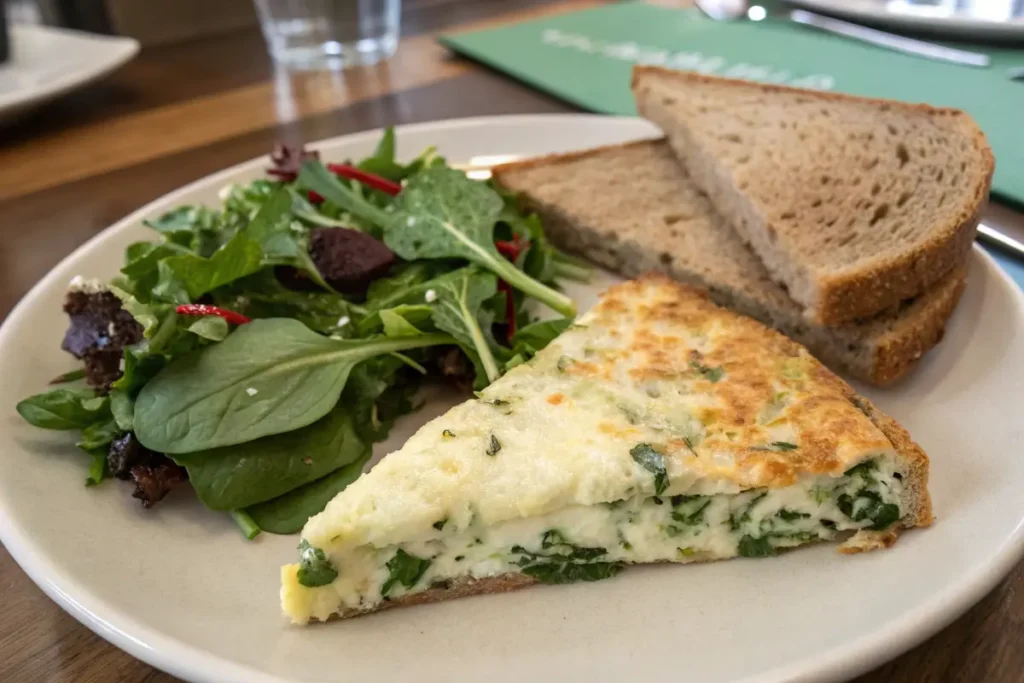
(730, 405)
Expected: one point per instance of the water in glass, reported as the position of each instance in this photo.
(330, 33)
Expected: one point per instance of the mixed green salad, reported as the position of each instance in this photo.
(259, 349)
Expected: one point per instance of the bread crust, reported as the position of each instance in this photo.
(893, 354)
(886, 280)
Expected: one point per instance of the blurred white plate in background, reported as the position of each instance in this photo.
(47, 62)
(966, 19)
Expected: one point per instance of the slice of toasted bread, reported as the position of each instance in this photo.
(632, 208)
(853, 204)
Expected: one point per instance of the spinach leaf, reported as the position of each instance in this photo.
(868, 505)
(441, 213)
(64, 409)
(652, 461)
(187, 277)
(711, 374)
(691, 511)
(248, 473)
(791, 515)
(884, 517)
(139, 367)
(210, 327)
(777, 446)
(287, 514)
(98, 435)
(458, 310)
(314, 567)
(570, 572)
(738, 519)
(405, 569)
(755, 547)
(268, 377)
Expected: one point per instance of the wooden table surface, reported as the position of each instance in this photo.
(179, 112)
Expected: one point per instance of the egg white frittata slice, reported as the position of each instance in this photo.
(660, 428)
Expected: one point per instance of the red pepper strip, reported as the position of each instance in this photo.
(374, 181)
(314, 198)
(203, 309)
(510, 309)
(510, 250)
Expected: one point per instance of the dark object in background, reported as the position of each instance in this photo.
(5, 40)
(99, 331)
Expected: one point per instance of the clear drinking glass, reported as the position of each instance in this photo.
(314, 34)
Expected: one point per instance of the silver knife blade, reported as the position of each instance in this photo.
(890, 40)
(999, 240)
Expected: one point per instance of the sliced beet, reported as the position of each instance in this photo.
(348, 260)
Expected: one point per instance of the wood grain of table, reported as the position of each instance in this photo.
(179, 112)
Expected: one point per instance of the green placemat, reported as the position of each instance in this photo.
(585, 57)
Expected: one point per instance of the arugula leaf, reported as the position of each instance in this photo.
(64, 409)
(405, 569)
(246, 524)
(69, 376)
(198, 228)
(249, 473)
(396, 325)
(314, 567)
(287, 514)
(383, 162)
(533, 337)
(268, 377)
(315, 176)
(98, 467)
(652, 461)
(262, 296)
(418, 315)
(441, 213)
(458, 310)
(411, 284)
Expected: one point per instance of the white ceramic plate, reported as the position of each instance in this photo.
(973, 19)
(47, 62)
(178, 587)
